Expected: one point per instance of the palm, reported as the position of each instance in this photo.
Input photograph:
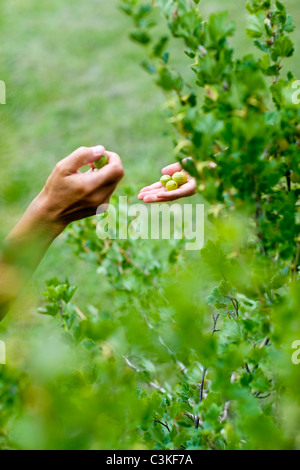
(158, 193)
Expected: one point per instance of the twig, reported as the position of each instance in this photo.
(80, 314)
(197, 420)
(296, 262)
(224, 416)
(150, 384)
(61, 313)
(190, 416)
(202, 385)
(215, 318)
(235, 304)
(163, 424)
(261, 398)
(288, 180)
(214, 330)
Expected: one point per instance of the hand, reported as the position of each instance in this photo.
(158, 193)
(70, 195)
(67, 196)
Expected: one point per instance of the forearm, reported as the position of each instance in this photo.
(23, 250)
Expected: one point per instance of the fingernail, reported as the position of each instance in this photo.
(98, 151)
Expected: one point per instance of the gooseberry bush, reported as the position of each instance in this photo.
(190, 350)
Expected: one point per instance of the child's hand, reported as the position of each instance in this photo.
(158, 193)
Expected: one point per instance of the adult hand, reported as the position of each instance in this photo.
(158, 193)
(71, 195)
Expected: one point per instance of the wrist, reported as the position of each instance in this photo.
(43, 217)
(38, 222)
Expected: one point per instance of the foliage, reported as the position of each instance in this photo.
(239, 114)
(183, 351)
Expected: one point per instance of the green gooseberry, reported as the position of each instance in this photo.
(165, 179)
(171, 185)
(101, 162)
(180, 178)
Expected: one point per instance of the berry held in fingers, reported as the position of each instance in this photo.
(101, 162)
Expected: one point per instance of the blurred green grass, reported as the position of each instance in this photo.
(73, 78)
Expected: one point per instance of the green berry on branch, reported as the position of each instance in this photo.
(171, 185)
(180, 178)
(101, 162)
(165, 179)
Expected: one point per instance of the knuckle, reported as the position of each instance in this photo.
(119, 171)
(96, 200)
(80, 189)
(82, 150)
(59, 167)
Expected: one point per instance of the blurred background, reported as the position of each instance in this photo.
(73, 78)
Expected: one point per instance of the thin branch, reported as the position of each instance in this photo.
(163, 424)
(60, 308)
(288, 180)
(61, 313)
(202, 385)
(261, 398)
(296, 262)
(224, 415)
(191, 416)
(197, 420)
(201, 394)
(235, 304)
(215, 318)
(150, 384)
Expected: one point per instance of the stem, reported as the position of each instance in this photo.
(214, 330)
(215, 318)
(202, 385)
(296, 262)
(61, 312)
(288, 180)
(163, 424)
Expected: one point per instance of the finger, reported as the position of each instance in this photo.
(171, 169)
(148, 193)
(100, 199)
(153, 191)
(177, 194)
(152, 198)
(113, 172)
(180, 192)
(152, 186)
(79, 158)
(185, 190)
